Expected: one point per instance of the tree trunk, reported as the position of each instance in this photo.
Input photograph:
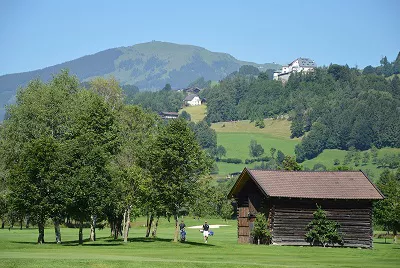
(127, 223)
(176, 228)
(150, 223)
(20, 223)
(2, 223)
(154, 234)
(41, 233)
(115, 229)
(27, 222)
(80, 233)
(57, 231)
(93, 228)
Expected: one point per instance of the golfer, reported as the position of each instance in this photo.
(206, 227)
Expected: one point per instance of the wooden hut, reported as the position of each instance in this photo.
(289, 198)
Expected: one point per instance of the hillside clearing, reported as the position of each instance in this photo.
(278, 128)
(197, 113)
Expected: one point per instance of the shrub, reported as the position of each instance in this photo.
(231, 160)
(322, 231)
(319, 167)
(260, 232)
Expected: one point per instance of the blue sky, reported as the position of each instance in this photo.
(37, 34)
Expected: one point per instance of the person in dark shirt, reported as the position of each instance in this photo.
(182, 225)
(206, 227)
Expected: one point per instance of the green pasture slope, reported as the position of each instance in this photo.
(18, 249)
(236, 137)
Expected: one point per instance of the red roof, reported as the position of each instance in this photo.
(311, 184)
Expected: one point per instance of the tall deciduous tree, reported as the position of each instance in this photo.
(92, 141)
(129, 182)
(32, 141)
(108, 89)
(177, 164)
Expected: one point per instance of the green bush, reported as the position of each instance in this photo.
(260, 232)
(321, 231)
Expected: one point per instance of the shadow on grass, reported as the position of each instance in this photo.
(152, 240)
(107, 242)
(384, 243)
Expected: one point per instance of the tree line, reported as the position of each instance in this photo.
(335, 107)
(70, 154)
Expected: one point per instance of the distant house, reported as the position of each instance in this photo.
(192, 100)
(168, 115)
(192, 90)
(289, 198)
(298, 65)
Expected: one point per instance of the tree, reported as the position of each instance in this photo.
(365, 158)
(260, 232)
(92, 143)
(129, 91)
(220, 151)
(297, 126)
(272, 151)
(319, 167)
(369, 70)
(108, 89)
(248, 70)
(33, 150)
(374, 154)
(167, 87)
(200, 83)
(280, 156)
(185, 115)
(129, 183)
(178, 163)
(206, 136)
(387, 211)
(289, 163)
(260, 123)
(322, 231)
(256, 149)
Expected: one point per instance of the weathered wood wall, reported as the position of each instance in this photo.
(291, 216)
(250, 201)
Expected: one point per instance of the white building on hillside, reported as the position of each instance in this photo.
(192, 100)
(298, 65)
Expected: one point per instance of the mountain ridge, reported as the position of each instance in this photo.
(148, 65)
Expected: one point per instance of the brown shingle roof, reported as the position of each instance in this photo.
(305, 184)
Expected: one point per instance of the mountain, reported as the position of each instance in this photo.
(148, 65)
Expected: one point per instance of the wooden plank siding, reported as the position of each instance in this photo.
(290, 218)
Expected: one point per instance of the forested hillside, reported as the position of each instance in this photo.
(332, 108)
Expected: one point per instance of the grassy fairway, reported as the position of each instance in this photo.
(17, 249)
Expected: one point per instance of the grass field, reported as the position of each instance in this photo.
(18, 249)
(236, 136)
(197, 113)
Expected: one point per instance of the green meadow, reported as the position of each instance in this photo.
(18, 249)
(235, 136)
